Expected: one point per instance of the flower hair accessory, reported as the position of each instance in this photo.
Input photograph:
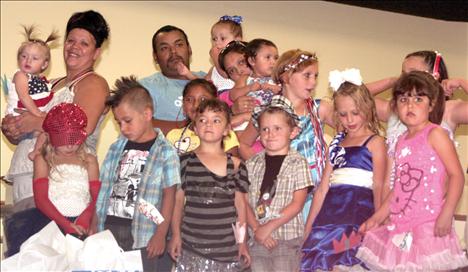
(295, 63)
(336, 78)
(277, 101)
(235, 18)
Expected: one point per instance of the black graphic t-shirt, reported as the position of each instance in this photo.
(125, 189)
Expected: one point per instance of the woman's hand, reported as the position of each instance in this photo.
(13, 127)
(243, 104)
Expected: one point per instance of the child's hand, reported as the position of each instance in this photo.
(370, 223)
(156, 245)
(443, 225)
(262, 233)
(450, 85)
(255, 86)
(79, 229)
(175, 247)
(276, 89)
(184, 71)
(244, 256)
(270, 243)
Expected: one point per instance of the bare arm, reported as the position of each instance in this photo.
(175, 245)
(243, 89)
(379, 86)
(379, 154)
(22, 89)
(289, 212)
(319, 197)
(445, 148)
(326, 113)
(157, 243)
(90, 94)
(456, 113)
(451, 84)
(92, 167)
(248, 138)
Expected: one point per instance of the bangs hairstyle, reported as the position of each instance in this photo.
(364, 103)
(205, 84)
(129, 90)
(30, 40)
(419, 83)
(292, 58)
(235, 28)
(429, 58)
(272, 110)
(234, 46)
(91, 21)
(215, 105)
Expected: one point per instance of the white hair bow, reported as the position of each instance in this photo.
(336, 78)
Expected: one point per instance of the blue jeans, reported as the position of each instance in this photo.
(123, 235)
(22, 225)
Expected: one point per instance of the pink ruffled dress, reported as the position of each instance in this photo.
(408, 242)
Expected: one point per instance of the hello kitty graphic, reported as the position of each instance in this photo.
(409, 179)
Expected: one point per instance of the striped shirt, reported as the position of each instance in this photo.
(209, 208)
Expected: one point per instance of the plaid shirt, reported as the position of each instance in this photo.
(294, 175)
(162, 170)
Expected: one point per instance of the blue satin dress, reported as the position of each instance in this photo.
(334, 238)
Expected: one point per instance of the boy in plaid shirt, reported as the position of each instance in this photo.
(279, 178)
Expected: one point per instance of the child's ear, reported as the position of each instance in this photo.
(251, 61)
(295, 131)
(45, 65)
(148, 113)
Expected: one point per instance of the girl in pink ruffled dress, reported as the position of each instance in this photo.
(428, 185)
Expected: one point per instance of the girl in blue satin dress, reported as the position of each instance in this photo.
(351, 185)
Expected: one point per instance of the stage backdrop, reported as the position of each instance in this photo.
(342, 36)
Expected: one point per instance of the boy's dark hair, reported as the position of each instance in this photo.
(205, 84)
(91, 21)
(215, 105)
(233, 46)
(429, 58)
(166, 29)
(254, 45)
(421, 84)
(129, 90)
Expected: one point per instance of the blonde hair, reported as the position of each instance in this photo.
(30, 40)
(364, 102)
(292, 61)
(48, 152)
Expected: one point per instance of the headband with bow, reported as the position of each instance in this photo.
(235, 18)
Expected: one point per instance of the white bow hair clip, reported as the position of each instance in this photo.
(336, 78)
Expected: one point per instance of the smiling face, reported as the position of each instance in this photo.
(79, 50)
(171, 49)
(33, 59)
(301, 84)
(276, 132)
(264, 62)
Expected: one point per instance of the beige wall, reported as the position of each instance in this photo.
(343, 36)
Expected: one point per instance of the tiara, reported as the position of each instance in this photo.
(295, 63)
(235, 18)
